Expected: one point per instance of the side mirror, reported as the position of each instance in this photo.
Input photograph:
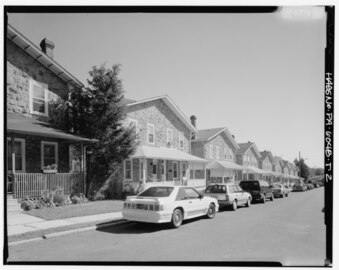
(201, 196)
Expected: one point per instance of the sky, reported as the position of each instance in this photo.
(259, 75)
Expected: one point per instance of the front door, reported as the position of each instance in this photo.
(155, 170)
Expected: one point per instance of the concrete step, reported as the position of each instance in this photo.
(13, 208)
(12, 202)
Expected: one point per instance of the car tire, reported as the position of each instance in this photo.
(177, 218)
(234, 205)
(282, 196)
(272, 198)
(211, 211)
(248, 203)
(286, 194)
(263, 199)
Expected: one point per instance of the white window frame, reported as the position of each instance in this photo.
(175, 162)
(169, 138)
(44, 86)
(210, 150)
(181, 139)
(217, 152)
(42, 153)
(136, 124)
(23, 147)
(150, 125)
(130, 179)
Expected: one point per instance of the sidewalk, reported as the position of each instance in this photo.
(21, 223)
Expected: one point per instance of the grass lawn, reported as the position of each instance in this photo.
(77, 210)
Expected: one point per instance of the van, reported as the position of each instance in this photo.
(259, 189)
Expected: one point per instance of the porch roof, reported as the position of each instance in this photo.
(224, 164)
(26, 125)
(254, 170)
(144, 151)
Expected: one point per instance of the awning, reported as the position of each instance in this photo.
(224, 164)
(268, 173)
(254, 170)
(17, 123)
(166, 153)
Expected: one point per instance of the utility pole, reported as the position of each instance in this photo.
(299, 168)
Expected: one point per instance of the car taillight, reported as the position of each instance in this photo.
(159, 207)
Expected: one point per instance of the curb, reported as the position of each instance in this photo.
(73, 231)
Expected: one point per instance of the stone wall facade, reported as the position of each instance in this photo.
(226, 149)
(21, 68)
(162, 117)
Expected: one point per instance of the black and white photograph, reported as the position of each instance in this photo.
(168, 135)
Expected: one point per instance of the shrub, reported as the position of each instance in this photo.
(77, 198)
(28, 205)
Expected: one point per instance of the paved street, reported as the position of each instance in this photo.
(289, 230)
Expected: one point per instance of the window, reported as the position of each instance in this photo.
(225, 152)
(169, 138)
(38, 98)
(184, 169)
(19, 150)
(191, 193)
(150, 133)
(181, 140)
(175, 170)
(128, 169)
(217, 152)
(134, 124)
(49, 154)
(211, 151)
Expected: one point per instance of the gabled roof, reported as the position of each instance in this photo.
(277, 160)
(209, 134)
(169, 102)
(264, 154)
(244, 147)
(26, 45)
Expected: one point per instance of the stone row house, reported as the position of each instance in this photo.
(171, 150)
(38, 156)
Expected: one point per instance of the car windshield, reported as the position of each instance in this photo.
(216, 189)
(157, 192)
(249, 185)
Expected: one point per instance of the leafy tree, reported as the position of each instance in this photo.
(96, 112)
(319, 171)
(304, 169)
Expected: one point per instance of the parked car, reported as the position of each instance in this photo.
(299, 187)
(259, 190)
(229, 195)
(310, 186)
(161, 204)
(315, 185)
(288, 188)
(279, 190)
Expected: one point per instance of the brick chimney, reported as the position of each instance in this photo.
(194, 123)
(47, 47)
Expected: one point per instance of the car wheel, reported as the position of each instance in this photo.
(234, 205)
(248, 204)
(211, 211)
(286, 194)
(176, 218)
(272, 198)
(282, 196)
(263, 199)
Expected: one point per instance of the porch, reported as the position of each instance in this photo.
(153, 166)
(33, 184)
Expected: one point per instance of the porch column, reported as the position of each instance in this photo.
(82, 169)
(85, 169)
(13, 153)
(165, 170)
(144, 161)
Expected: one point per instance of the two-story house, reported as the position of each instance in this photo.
(163, 154)
(249, 156)
(38, 156)
(266, 164)
(277, 169)
(219, 147)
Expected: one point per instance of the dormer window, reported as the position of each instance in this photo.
(38, 98)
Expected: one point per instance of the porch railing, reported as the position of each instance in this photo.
(32, 184)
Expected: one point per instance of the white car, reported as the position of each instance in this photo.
(161, 204)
